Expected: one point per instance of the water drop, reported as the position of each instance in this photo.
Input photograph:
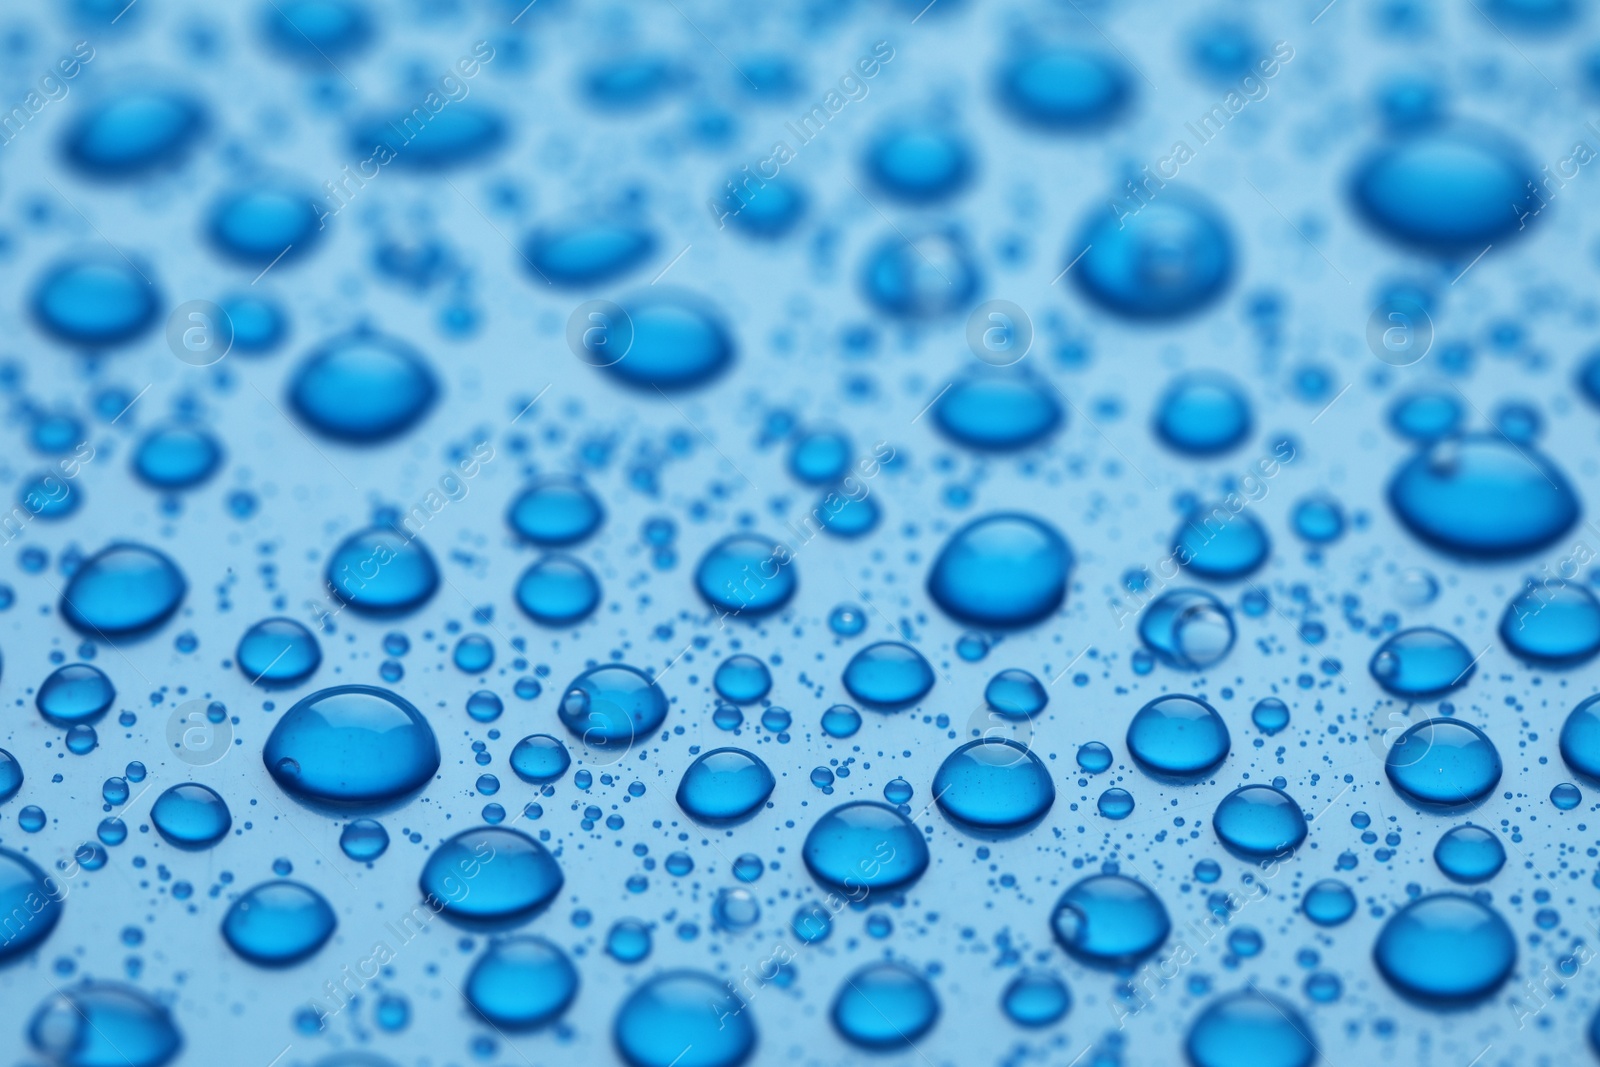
(352, 746)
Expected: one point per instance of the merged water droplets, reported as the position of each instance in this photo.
(927, 274)
(352, 746)
(1004, 571)
(278, 923)
(1187, 628)
(1445, 950)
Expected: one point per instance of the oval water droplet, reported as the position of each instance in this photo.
(555, 511)
(353, 746)
(865, 846)
(884, 1006)
(381, 573)
(362, 388)
(1450, 191)
(1580, 738)
(993, 786)
(134, 133)
(680, 342)
(191, 816)
(888, 676)
(317, 33)
(678, 1014)
(1445, 950)
(724, 787)
(490, 878)
(1004, 570)
(1221, 544)
(927, 275)
(1258, 821)
(124, 590)
(1250, 1029)
(1064, 89)
(95, 302)
(1553, 624)
(919, 163)
(416, 140)
(278, 923)
(268, 224)
(1329, 902)
(1172, 258)
(1110, 921)
(521, 983)
(104, 1024)
(613, 705)
(1469, 854)
(1422, 664)
(278, 652)
(75, 693)
(1202, 414)
(176, 457)
(558, 591)
(588, 252)
(746, 575)
(1443, 763)
(1178, 737)
(27, 892)
(1481, 497)
(1036, 998)
(994, 409)
(1016, 694)
(540, 758)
